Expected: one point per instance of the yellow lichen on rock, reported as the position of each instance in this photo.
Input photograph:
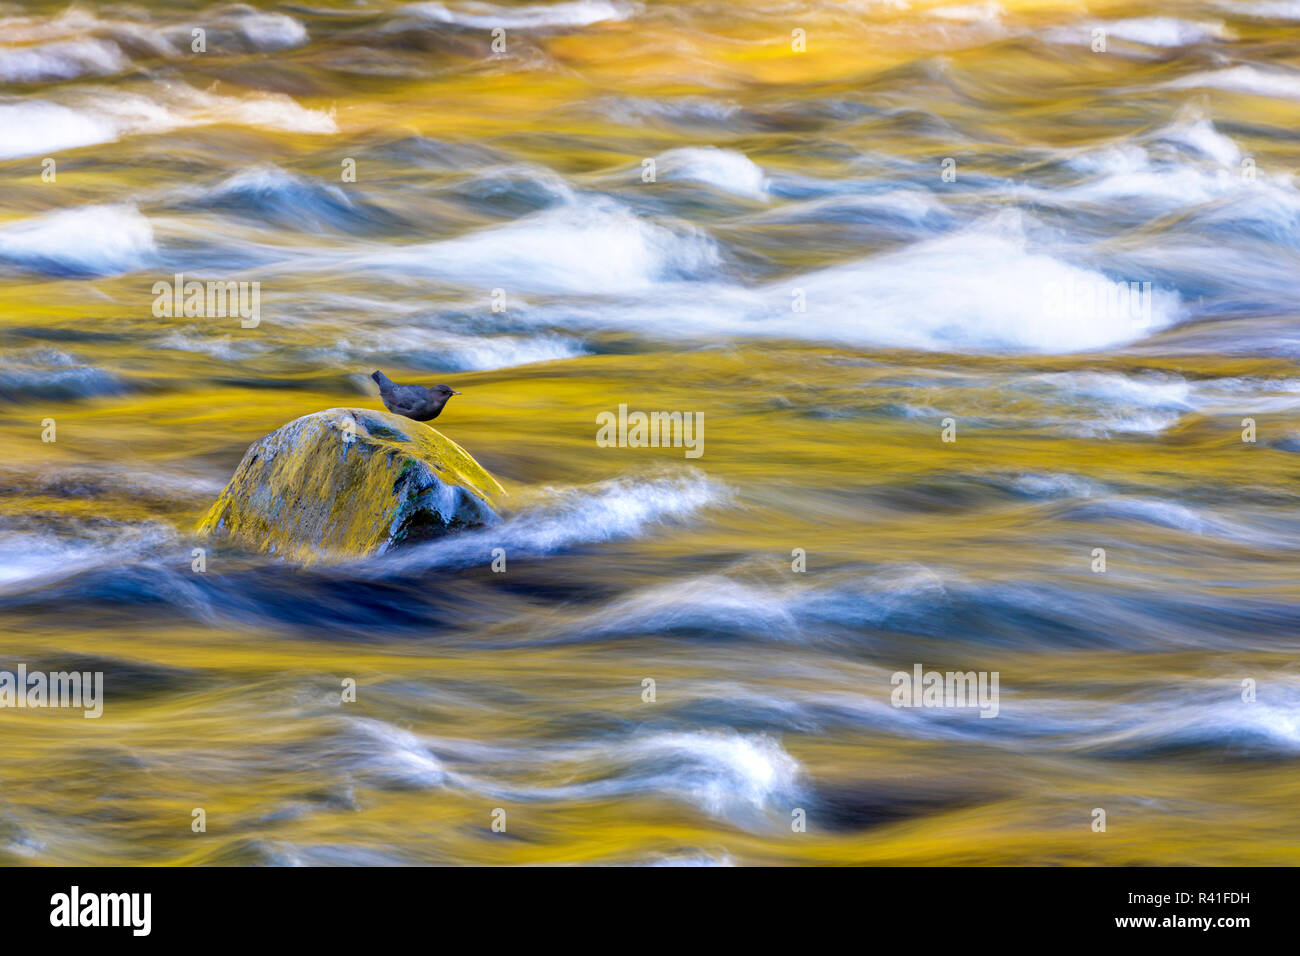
(350, 482)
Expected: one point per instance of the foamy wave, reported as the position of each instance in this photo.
(270, 181)
(1265, 9)
(1144, 182)
(224, 348)
(269, 110)
(35, 29)
(61, 60)
(984, 13)
(1159, 32)
(79, 24)
(87, 118)
(522, 187)
(450, 351)
(689, 861)
(32, 128)
(1201, 715)
(47, 374)
(1273, 84)
(1191, 134)
(1198, 715)
(981, 288)
(31, 555)
(702, 603)
(78, 43)
(913, 206)
(1200, 135)
(752, 607)
(1098, 404)
(722, 169)
(1153, 511)
(471, 353)
(271, 31)
(1052, 485)
(847, 605)
(1122, 403)
(86, 241)
(728, 775)
(561, 518)
(1166, 392)
(1185, 164)
(747, 779)
(586, 247)
(1166, 31)
(273, 194)
(99, 480)
(1215, 719)
(486, 16)
(386, 755)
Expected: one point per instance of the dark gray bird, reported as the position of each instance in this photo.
(420, 402)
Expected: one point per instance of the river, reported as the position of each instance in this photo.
(989, 315)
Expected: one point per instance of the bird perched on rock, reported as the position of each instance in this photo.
(420, 402)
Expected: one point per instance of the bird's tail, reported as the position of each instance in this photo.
(380, 378)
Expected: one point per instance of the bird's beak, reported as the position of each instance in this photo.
(454, 392)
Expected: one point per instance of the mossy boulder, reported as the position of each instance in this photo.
(350, 482)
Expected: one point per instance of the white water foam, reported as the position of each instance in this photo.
(593, 246)
(981, 288)
(1184, 164)
(388, 755)
(1253, 80)
(40, 374)
(1104, 402)
(982, 13)
(31, 556)
(465, 353)
(91, 117)
(79, 43)
(722, 169)
(36, 127)
(726, 604)
(1166, 31)
(743, 778)
(728, 775)
(486, 16)
(1264, 9)
(556, 519)
(61, 60)
(1199, 134)
(271, 31)
(911, 205)
(87, 240)
(268, 179)
(702, 602)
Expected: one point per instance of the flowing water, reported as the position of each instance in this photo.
(907, 231)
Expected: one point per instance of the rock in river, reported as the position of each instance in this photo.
(350, 482)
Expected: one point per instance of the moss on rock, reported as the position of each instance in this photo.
(349, 482)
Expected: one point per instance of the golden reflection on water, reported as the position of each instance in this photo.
(242, 717)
